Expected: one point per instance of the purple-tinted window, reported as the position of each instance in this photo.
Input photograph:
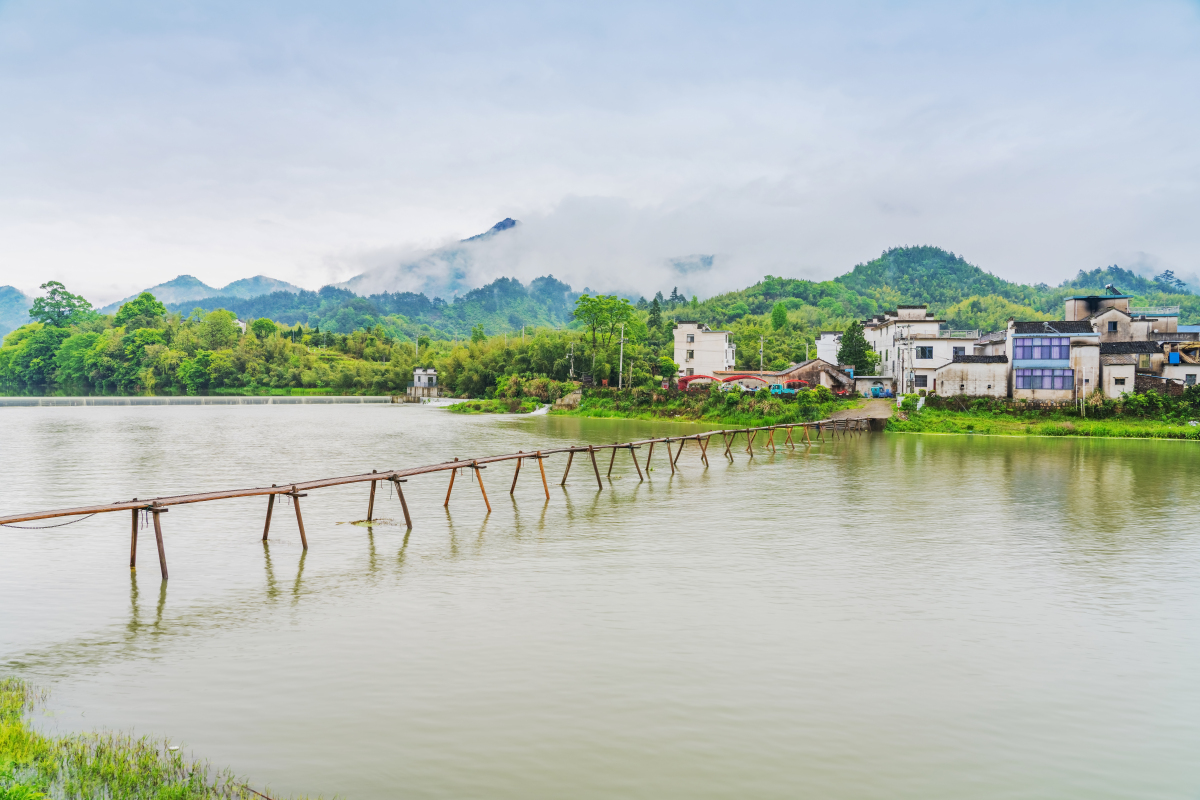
(1045, 378)
(1045, 348)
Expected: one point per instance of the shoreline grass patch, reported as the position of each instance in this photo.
(36, 766)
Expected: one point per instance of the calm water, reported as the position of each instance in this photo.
(886, 617)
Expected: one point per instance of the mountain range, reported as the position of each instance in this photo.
(408, 294)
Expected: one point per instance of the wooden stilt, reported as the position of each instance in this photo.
(515, 474)
(371, 502)
(567, 471)
(771, 439)
(479, 477)
(592, 453)
(788, 440)
(162, 554)
(729, 442)
(270, 507)
(704, 451)
(450, 488)
(682, 442)
(648, 458)
(133, 540)
(670, 460)
(633, 455)
(299, 519)
(611, 461)
(542, 469)
(750, 442)
(403, 503)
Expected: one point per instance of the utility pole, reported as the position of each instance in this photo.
(761, 339)
(621, 363)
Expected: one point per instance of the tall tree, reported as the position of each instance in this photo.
(143, 311)
(654, 322)
(855, 350)
(779, 316)
(59, 308)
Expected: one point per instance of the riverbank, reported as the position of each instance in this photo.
(718, 408)
(525, 405)
(1029, 423)
(34, 766)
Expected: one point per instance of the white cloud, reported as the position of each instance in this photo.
(307, 143)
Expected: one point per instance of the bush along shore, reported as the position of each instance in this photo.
(511, 406)
(34, 766)
(709, 405)
(1143, 416)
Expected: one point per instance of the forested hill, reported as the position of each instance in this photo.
(964, 295)
(503, 305)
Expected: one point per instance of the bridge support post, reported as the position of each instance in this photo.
(270, 507)
(704, 450)
(299, 519)
(403, 504)
(612, 461)
(479, 477)
(542, 469)
(567, 471)
(633, 455)
(133, 540)
(162, 554)
(728, 443)
(592, 453)
(750, 437)
(371, 502)
(678, 453)
(516, 472)
(648, 455)
(450, 488)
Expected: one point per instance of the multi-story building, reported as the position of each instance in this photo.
(912, 346)
(701, 351)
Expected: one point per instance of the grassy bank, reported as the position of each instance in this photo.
(1039, 423)
(523, 405)
(34, 766)
(720, 408)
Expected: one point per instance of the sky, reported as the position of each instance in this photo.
(310, 141)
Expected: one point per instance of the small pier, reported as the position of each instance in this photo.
(772, 437)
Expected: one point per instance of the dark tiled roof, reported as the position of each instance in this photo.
(1113, 348)
(1054, 326)
(960, 359)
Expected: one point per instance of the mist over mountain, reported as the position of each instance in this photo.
(187, 288)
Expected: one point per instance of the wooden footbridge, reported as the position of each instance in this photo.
(160, 505)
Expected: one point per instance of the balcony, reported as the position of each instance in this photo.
(1154, 311)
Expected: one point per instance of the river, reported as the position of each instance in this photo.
(888, 616)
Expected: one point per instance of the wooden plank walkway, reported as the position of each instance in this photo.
(295, 491)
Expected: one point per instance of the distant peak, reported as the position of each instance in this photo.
(502, 225)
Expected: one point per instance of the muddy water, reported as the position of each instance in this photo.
(881, 617)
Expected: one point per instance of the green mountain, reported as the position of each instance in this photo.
(504, 305)
(14, 309)
(185, 288)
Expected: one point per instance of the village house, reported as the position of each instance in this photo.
(701, 351)
(1057, 360)
(912, 346)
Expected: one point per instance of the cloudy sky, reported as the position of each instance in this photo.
(306, 141)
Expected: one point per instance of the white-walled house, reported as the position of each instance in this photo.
(912, 346)
(828, 345)
(424, 383)
(701, 351)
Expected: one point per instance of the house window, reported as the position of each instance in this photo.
(1118, 381)
(1190, 379)
(924, 352)
(691, 371)
(1112, 327)
(1045, 378)
(1056, 349)
(691, 354)
(1143, 361)
(922, 381)
(960, 351)
(691, 337)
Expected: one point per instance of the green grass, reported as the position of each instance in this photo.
(34, 766)
(989, 423)
(497, 406)
(722, 408)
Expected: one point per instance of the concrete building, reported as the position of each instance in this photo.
(701, 351)
(974, 375)
(1057, 360)
(828, 345)
(912, 347)
(424, 384)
